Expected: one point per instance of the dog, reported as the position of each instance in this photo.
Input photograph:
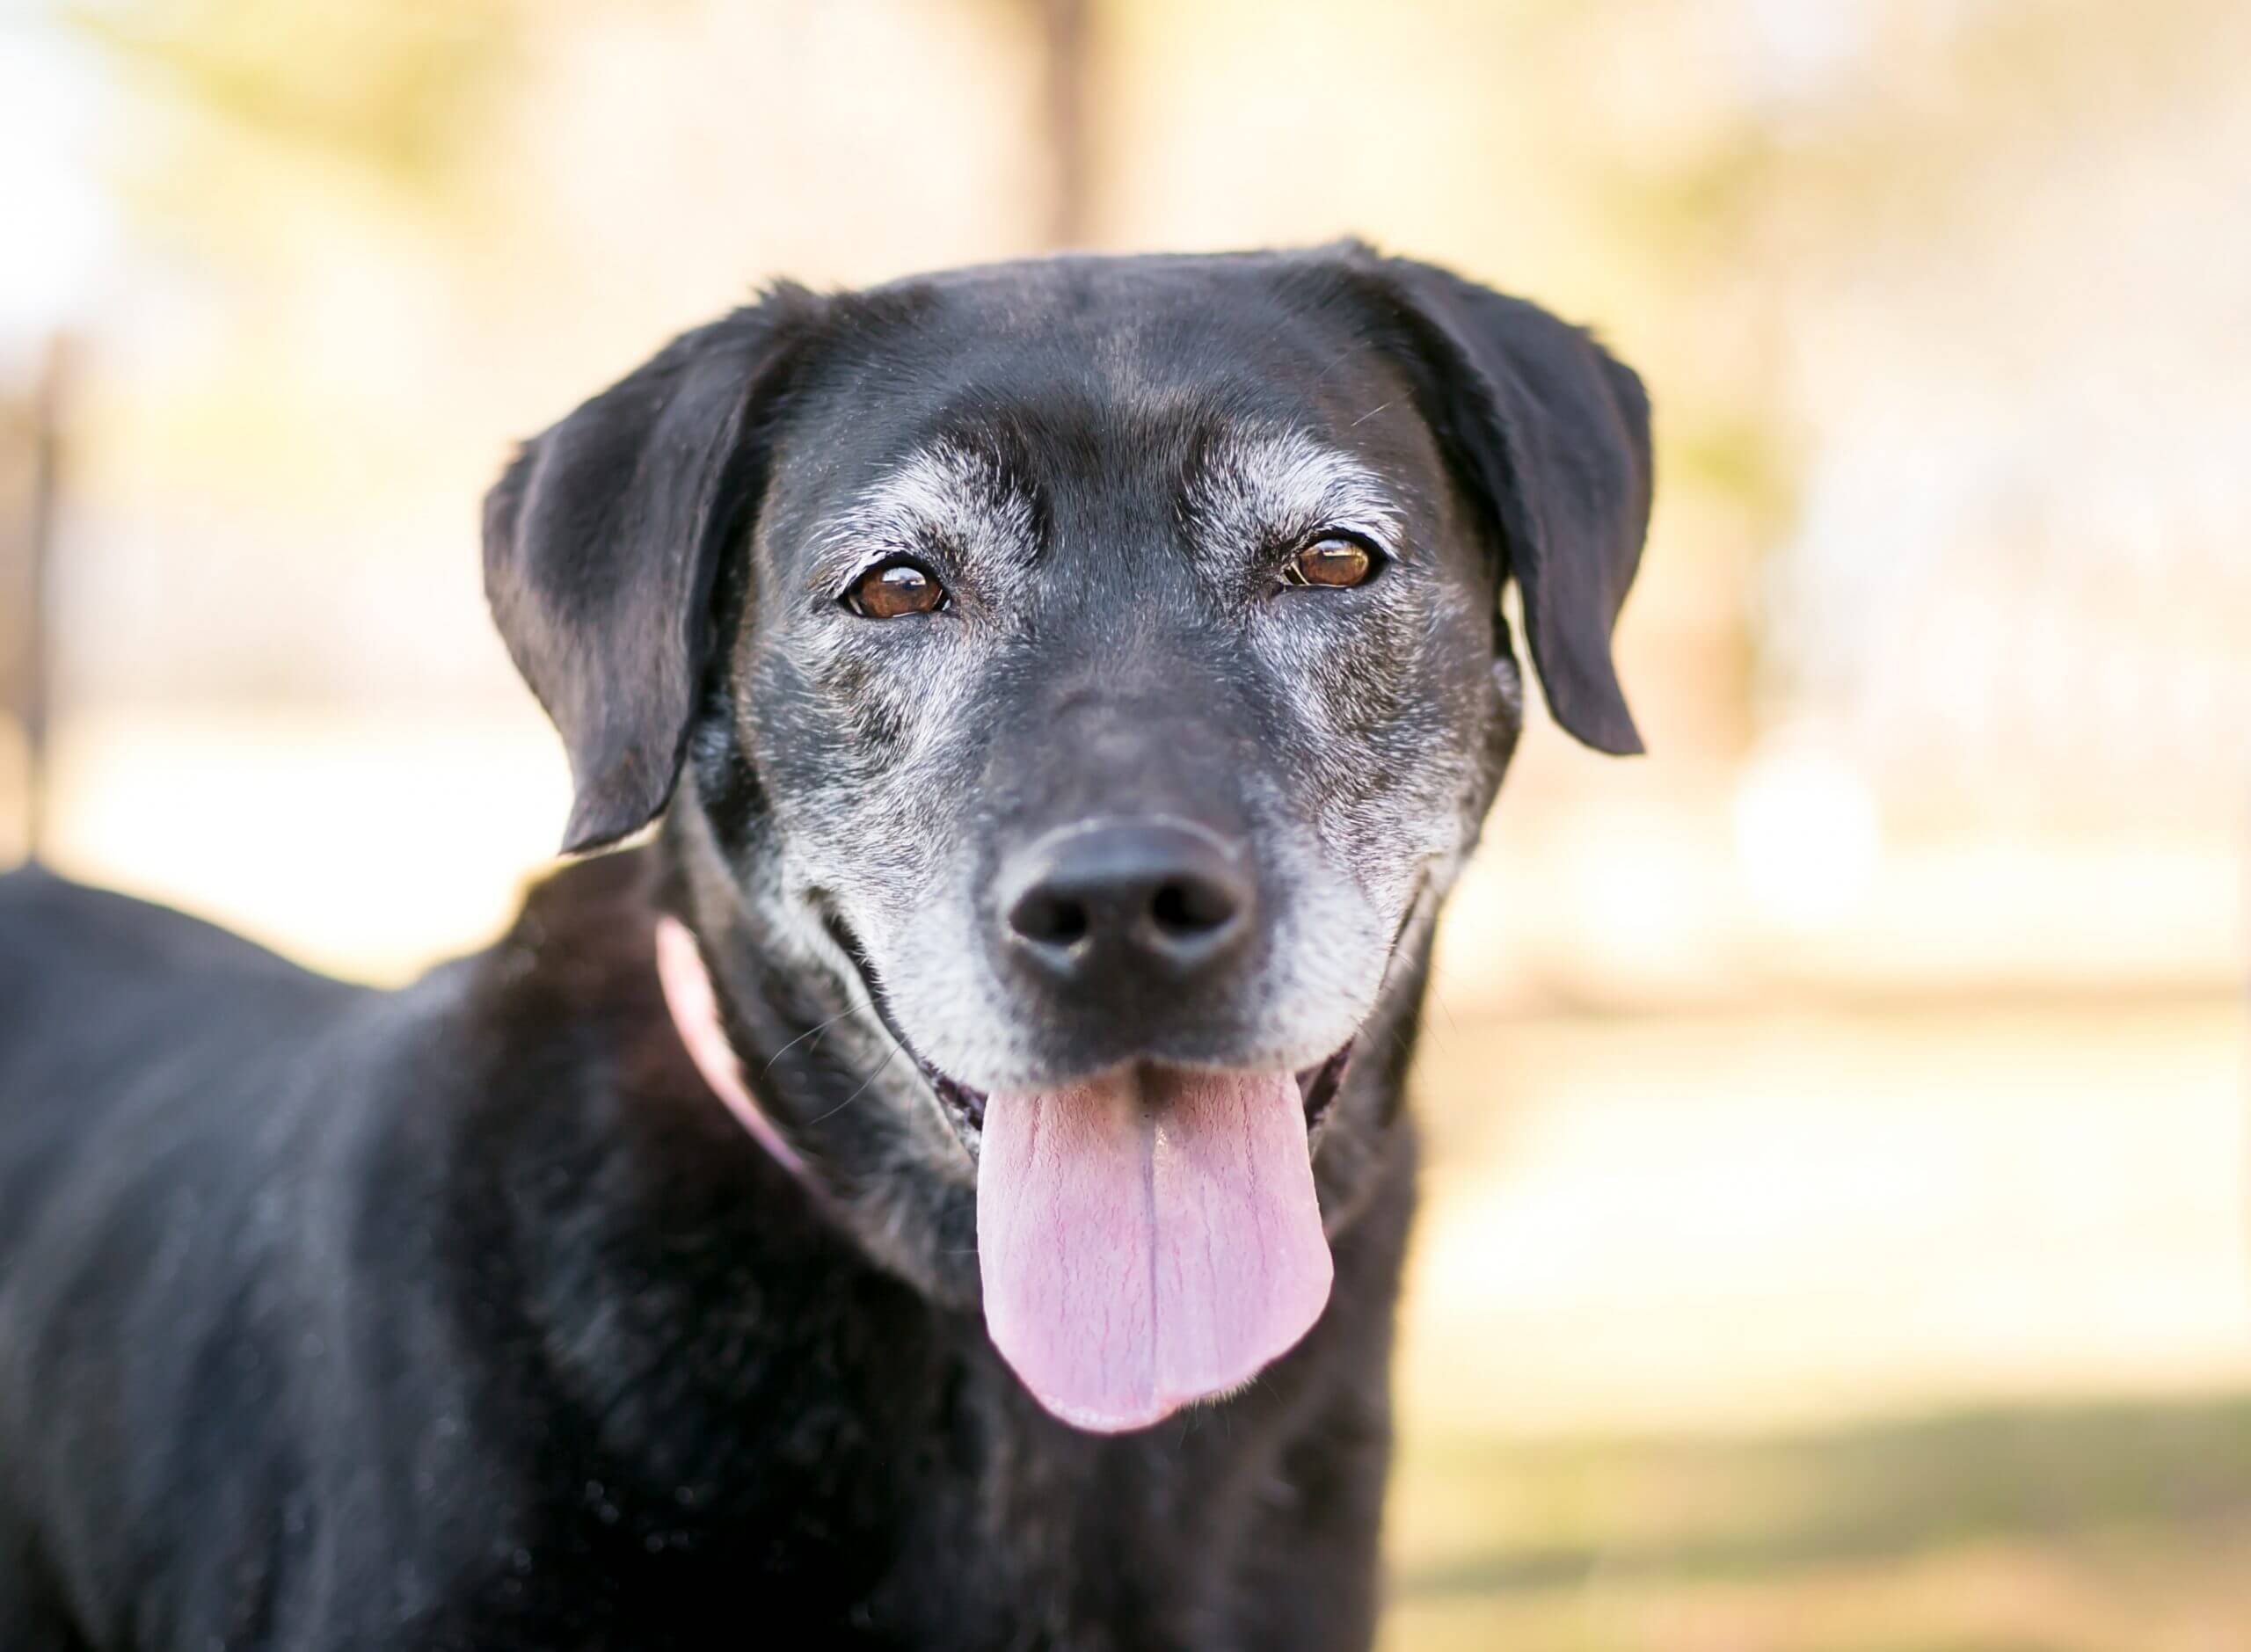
(946, 1188)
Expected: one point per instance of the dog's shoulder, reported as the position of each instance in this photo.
(587, 924)
(558, 1033)
(576, 967)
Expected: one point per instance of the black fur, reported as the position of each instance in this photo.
(463, 1317)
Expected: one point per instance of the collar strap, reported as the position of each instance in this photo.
(695, 1016)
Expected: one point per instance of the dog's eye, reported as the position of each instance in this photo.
(894, 589)
(1333, 561)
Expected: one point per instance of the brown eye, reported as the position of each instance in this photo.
(894, 589)
(1334, 561)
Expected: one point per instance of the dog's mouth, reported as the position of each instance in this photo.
(963, 1104)
(1147, 1237)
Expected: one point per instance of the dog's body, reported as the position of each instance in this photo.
(466, 1317)
(461, 1318)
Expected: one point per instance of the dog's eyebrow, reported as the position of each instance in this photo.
(1250, 488)
(947, 490)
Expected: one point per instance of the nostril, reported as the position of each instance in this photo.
(1188, 907)
(1049, 920)
(1106, 901)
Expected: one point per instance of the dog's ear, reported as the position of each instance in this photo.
(1553, 435)
(601, 542)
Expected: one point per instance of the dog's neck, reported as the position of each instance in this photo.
(695, 1007)
(823, 1070)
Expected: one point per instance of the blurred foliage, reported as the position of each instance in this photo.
(399, 86)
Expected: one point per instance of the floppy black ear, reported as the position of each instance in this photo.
(602, 541)
(1554, 433)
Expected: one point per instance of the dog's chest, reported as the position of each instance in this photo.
(1060, 1540)
(991, 1527)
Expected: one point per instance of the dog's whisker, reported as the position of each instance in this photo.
(814, 1031)
(881, 1067)
(1452, 1024)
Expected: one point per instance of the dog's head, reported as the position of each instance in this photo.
(1097, 667)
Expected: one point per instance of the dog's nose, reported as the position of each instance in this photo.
(1152, 895)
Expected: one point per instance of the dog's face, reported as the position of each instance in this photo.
(1118, 667)
(1100, 660)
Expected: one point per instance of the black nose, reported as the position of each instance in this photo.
(1149, 895)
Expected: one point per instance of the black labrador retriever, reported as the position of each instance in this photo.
(947, 1190)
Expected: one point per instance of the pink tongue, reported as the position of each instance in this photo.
(1147, 1241)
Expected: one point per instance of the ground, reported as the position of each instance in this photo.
(1782, 1333)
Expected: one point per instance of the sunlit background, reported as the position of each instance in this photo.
(1835, 1234)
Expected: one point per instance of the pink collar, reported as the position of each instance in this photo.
(696, 1015)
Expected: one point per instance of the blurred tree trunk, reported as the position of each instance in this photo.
(30, 449)
(1067, 46)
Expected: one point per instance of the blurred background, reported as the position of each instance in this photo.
(1836, 1225)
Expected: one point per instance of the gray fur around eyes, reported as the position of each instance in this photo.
(945, 493)
(1252, 491)
(1257, 489)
